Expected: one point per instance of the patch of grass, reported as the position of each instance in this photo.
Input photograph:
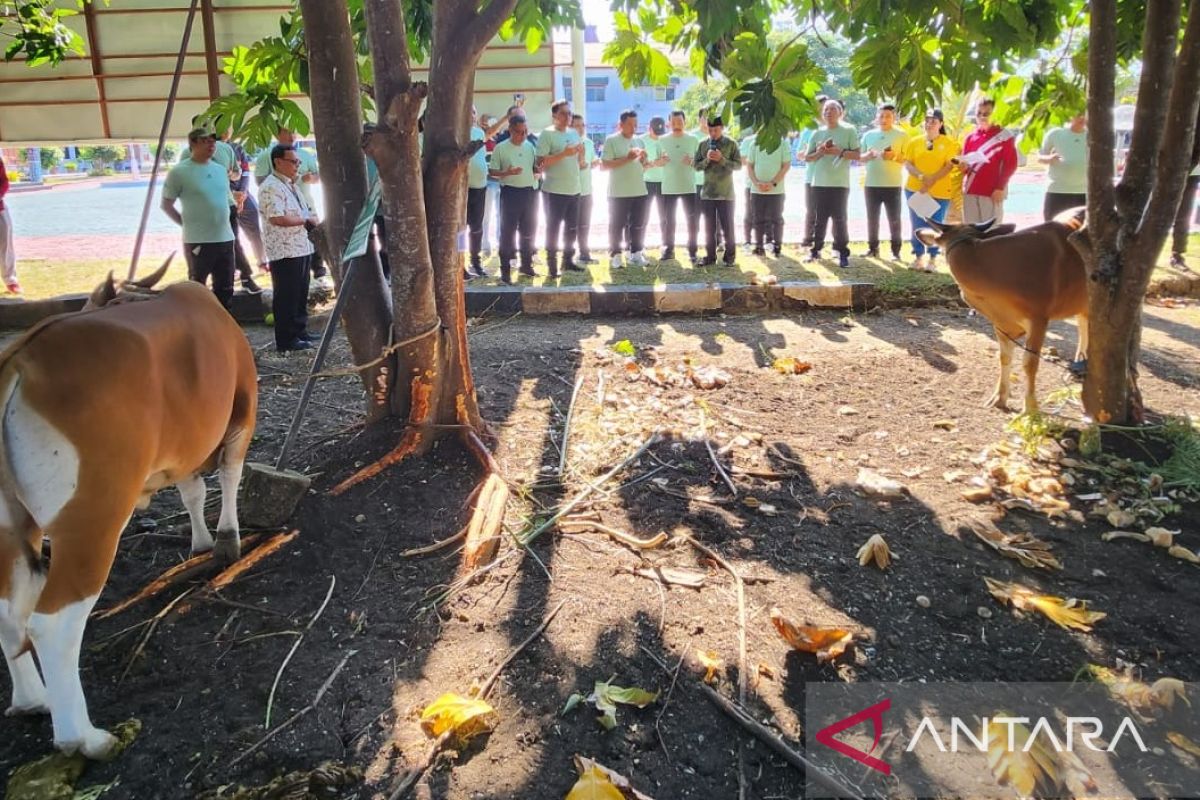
(42, 278)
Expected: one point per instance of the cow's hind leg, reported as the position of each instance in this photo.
(233, 456)
(192, 492)
(999, 397)
(21, 581)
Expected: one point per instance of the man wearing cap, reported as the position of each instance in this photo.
(830, 152)
(512, 164)
(654, 170)
(624, 156)
(679, 185)
(717, 157)
(201, 186)
(560, 157)
(287, 219)
(985, 181)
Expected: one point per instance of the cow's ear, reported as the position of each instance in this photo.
(103, 294)
(937, 226)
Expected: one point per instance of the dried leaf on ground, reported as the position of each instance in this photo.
(594, 785)
(672, 576)
(615, 779)
(976, 494)
(790, 366)
(1066, 613)
(1026, 548)
(825, 643)
(1183, 553)
(1146, 700)
(1113, 535)
(711, 663)
(709, 377)
(1184, 743)
(605, 697)
(1161, 537)
(872, 484)
(875, 550)
(945, 424)
(467, 717)
(1024, 767)
(1120, 518)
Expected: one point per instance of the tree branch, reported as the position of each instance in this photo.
(487, 22)
(388, 37)
(1102, 68)
(1158, 72)
(1182, 112)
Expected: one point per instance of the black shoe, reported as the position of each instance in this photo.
(1177, 261)
(729, 263)
(299, 344)
(586, 258)
(843, 261)
(777, 252)
(707, 261)
(895, 255)
(310, 337)
(668, 254)
(468, 276)
(527, 272)
(250, 287)
(759, 251)
(571, 266)
(480, 272)
(812, 257)
(506, 278)
(872, 253)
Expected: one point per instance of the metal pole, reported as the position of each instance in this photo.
(578, 73)
(162, 138)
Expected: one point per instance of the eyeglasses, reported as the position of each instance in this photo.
(290, 160)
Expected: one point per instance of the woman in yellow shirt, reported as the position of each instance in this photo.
(928, 161)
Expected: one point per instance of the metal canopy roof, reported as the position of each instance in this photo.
(117, 90)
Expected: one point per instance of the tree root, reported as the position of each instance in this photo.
(483, 531)
(409, 444)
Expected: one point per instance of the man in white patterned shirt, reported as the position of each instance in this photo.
(287, 219)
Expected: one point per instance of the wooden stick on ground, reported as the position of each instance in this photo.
(438, 744)
(562, 461)
(294, 718)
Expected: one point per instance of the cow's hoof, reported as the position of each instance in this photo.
(95, 744)
(27, 710)
(226, 551)
(996, 401)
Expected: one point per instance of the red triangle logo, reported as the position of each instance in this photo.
(873, 713)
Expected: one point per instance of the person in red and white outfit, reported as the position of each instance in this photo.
(8, 256)
(986, 174)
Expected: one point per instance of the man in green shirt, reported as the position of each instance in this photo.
(701, 134)
(588, 162)
(830, 152)
(810, 209)
(884, 156)
(201, 186)
(560, 158)
(1065, 150)
(513, 163)
(766, 172)
(654, 169)
(717, 157)
(745, 146)
(679, 185)
(624, 157)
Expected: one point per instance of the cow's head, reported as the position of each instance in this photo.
(941, 235)
(112, 291)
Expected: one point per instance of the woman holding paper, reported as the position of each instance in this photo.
(928, 161)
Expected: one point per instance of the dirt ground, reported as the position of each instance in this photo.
(878, 384)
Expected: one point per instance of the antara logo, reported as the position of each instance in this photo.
(873, 713)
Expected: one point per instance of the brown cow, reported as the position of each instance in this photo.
(1020, 281)
(98, 410)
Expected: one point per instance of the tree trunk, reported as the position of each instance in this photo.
(337, 119)
(1111, 393)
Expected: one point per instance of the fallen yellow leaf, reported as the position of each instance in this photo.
(614, 779)
(1030, 551)
(711, 663)
(1023, 767)
(593, 784)
(825, 643)
(877, 550)
(1066, 613)
(1184, 743)
(1145, 700)
(790, 366)
(466, 717)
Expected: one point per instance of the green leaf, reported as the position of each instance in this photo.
(575, 699)
(606, 696)
(624, 348)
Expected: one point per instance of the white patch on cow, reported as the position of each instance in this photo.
(57, 638)
(192, 491)
(44, 462)
(28, 691)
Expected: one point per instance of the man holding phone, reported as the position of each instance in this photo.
(716, 158)
(624, 157)
(883, 153)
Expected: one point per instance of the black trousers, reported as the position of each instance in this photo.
(562, 216)
(239, 256)
(671, 203)
(700, 215)
(889, 198)
(1058, 202)
(475, 201)
(215, 259)
(720, 212)
(627, 218)
(518, 218)
(1183, 217)
(654, 198)
(583, 226)
(768, 219)
(810, 216)
(749, 217)
(289, 299)
(251, 225)
(381, 243)
(830, 203)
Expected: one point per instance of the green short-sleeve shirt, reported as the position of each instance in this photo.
(225, 156)
(627, 180)
(203, 194)
(767, 165)
(477, 166)
(562, 177)
(508, 155)
(1068, 175)
(585, 173)
(883, 172)
(653, 151)
(802, 148)
(830, 170)
(679, 173)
